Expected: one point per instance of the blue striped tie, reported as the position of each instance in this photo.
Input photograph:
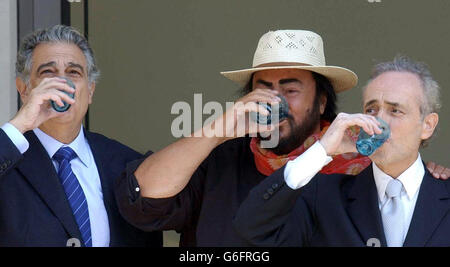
(74, 192)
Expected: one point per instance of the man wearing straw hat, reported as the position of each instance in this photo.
(196, 185)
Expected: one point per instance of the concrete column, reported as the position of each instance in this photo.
(8, 48)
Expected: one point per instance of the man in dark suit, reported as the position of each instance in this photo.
(56, 178)
(395, 202)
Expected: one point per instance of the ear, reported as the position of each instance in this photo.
(22, 88)
(323, 103)
(429, 125)
(91, 92)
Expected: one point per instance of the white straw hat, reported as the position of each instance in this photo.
(294, 49)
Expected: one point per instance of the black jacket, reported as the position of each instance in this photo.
(204, 210)
(34, 210)
(338, 210)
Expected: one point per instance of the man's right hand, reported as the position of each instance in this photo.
(36, 108)
(236, 122)
(335, 141)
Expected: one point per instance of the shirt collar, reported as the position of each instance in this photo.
(411, 179)
(79, 145)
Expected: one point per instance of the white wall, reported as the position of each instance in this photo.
(8, 48)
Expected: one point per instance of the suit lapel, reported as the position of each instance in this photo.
(38, 169)
(432, 204)
(363, 207)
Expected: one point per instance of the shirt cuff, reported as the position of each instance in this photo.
(16, 137)
(300, 171)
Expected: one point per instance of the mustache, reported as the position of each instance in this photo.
(290, 117)
(291, 121)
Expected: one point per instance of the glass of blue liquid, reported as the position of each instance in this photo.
(66, 106)
(282, 112)
(368, 144)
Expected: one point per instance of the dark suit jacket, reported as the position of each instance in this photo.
(337, 210)
(34, 210)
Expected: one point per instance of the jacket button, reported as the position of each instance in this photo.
(270, 191)
(266, 196)
(275, 186)
(4, 166)
(8, 163)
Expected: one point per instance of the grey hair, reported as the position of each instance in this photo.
(55, 34)
(431, 102)
(430, 86)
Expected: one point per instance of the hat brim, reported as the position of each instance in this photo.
(342, 79)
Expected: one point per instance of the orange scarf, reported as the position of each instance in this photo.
(268, 162)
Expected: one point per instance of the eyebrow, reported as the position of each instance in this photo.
(282, 82)
(268, 84)
(394, 104)
(370, 102)
(53, 64)
(285, 81)
(49, 64)
(75, 65)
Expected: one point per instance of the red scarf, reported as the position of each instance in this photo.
(268, 162)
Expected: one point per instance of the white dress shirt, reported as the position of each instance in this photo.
(300, 171)
(84, 168)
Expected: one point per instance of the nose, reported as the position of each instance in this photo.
(282, 93)
(383, 116)
(276, 88)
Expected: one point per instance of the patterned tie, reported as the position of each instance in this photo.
(74, 192)
(393, 215)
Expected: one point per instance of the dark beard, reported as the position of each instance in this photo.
(298, 132)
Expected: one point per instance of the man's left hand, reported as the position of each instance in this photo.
(438, 171)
